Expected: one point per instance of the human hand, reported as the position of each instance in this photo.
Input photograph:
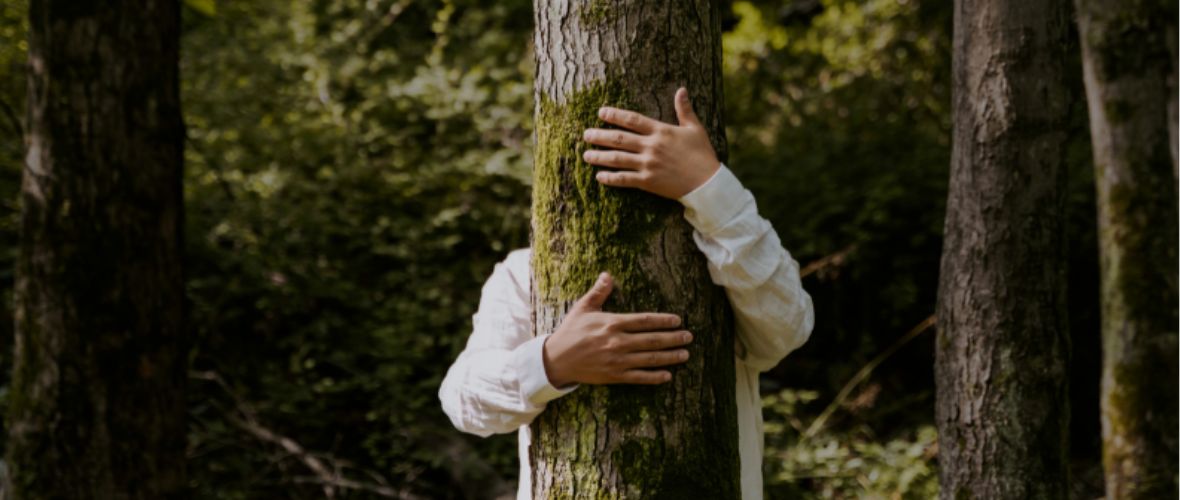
(595, 347)
(666, 160)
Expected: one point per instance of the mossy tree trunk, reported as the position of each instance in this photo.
(1129, 62)
(97, 403)
(672, 441)
(1003, 346)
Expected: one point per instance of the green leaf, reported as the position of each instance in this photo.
(207, 7)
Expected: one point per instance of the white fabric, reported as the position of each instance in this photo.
(498, 384)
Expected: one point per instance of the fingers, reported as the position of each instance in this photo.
(617, 139)
(621, 179)
(656, 341)
(629, 120)
(598, 293)
(651, 359)
(645, 322)
(645, 377)
(684, 112)
(616, 159)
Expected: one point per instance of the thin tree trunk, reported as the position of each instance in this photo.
(672, 441)
(97, 405)
(1003, 346)
(1129, 62)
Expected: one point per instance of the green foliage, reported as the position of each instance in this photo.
(352, 177)
(840, 124)
(855, 463)
(355, 169)
(14, 48)
(846, 120)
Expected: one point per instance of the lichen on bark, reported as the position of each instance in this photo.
(1128, 56)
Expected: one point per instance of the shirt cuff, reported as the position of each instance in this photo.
(714, 203)
(529, 359)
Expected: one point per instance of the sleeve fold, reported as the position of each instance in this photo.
(773, 314)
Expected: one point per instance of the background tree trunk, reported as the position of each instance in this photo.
(1129, 62)
(97, 408)
(672, 441)
(1003, 346)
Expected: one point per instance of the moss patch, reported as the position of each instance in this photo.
(580, 227)
(596, 12)
(1131, 39)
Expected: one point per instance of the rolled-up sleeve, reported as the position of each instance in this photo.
(772, 312)
(498, 383)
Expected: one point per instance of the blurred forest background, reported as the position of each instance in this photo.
(354, 169)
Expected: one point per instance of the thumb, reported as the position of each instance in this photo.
(684, 112)
(598, 293)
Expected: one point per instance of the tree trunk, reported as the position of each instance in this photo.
(97, 404)
(1003, 346)
(1129, 62)
(677, 440)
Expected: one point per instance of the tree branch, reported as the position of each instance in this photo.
(833, 261)
(863, 374)
(325, 468)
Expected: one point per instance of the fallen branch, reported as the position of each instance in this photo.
(325, 468)
(827, 262)
(863, 374)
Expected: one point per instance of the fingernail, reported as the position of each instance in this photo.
(667, 377)
(687, 337)
(602, 112)
(683, 355)
(604, 278)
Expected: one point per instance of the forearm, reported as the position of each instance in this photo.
(773, 313)
(773, 316)
(494, 391)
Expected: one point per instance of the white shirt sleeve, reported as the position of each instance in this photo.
(498, 383)
(773, 313)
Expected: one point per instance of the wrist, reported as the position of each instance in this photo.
(706, 175)
(711, 170)
(552, 371)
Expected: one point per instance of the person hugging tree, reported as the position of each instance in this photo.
(505, 377)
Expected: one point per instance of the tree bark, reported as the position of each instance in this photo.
(97, 403)
(1129, 63)
(677, 440)
(1003, 346)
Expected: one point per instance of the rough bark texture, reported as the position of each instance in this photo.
(671, 441)
(1003, 346)
(97, 407)
(1129, 62)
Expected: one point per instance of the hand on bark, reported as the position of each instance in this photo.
(666, 160)
(595, 347)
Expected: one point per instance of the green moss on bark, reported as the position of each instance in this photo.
(1132, 39)
(582, 228)
(674, 440)
(1138, 247)
(668, 441)
(596, 12)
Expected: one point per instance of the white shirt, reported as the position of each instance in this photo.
(498, 384)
